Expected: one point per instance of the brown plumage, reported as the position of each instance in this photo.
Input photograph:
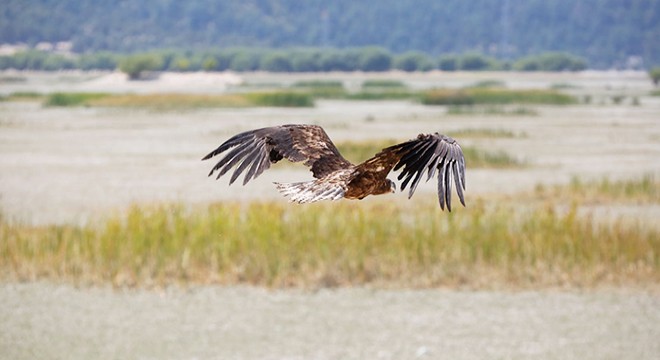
(253, 151)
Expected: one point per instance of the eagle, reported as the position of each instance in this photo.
(254, 151)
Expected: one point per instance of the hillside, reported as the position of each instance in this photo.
(605, 32)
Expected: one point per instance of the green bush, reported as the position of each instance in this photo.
(282, 99)
(72, 99)
(135, 65)
(98, 61)
(448, 63)
(375, 59)
(654, 73)
(477, 62)
(413, 61)
(276, 62)
(382, 83)
(550, 62)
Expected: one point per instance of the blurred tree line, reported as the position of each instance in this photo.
(284, 60)
(608, 33)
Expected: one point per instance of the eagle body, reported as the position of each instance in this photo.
(254, 151)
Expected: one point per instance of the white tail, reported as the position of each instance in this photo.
(311, 191)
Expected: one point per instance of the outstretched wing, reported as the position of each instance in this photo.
(255, 150)
(427, 153)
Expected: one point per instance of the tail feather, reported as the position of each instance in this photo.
(311, 191)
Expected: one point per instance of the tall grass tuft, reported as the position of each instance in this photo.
(73, 99)
(281, 99)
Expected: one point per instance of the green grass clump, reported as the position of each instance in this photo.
(172, 101)
(327, 89)
(73, 99)
(495, 110)
(488, 84)
(281, 99)
(383, 83)
(182, 101)
(472, 96)
(318, 84)
(446, 97)
(335, 244)
(384, 94)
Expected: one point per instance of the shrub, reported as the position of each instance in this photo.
(448, 63)
(375, 59)
(550, 62)
(281, 99)
(654, 73)
(276, 62)
(382, 83)
(72, 99)
(413, 61)
(477, 62)
(136, 65)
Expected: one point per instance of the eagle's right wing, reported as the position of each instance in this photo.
(255, 150)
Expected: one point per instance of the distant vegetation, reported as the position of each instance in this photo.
(375, 241)
(460, 101)
(182, 101)
(472, 96)
(608, 33)
(655, 75)
(368, 59)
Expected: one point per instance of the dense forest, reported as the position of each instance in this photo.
(607, 33)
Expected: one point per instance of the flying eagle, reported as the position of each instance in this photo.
(336, 177)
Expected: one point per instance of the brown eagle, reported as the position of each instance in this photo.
(336, 177)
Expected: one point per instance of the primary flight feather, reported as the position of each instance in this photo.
(253, 151)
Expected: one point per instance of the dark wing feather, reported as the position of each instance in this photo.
(426, 153)
(255, 150)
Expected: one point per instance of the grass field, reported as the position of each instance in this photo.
(488, 244)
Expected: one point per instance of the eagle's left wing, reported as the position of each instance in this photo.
(427, 153)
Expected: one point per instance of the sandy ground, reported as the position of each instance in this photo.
(46, 321)
(77, 165)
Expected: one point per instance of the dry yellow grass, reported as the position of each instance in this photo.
(413, 244)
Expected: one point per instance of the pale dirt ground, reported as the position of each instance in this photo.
(47, 321)
(78, 165)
